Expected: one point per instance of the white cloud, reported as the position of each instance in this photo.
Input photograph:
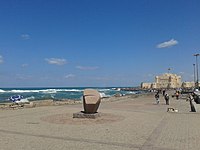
(1, 59)
(56, 61)
(25, 36)
(69, 76)
(24, 65)
(86, 68)
(166, 44)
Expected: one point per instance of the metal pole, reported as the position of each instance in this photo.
(197, 83)
(194, 74)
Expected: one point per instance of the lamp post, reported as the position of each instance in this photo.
(197, 83)
(194, 74)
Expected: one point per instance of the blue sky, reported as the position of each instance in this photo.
(96, 42)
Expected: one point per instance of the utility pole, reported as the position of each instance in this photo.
(194, 74)
(197, 83)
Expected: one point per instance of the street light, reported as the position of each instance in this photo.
(197, 83)
(194, 74)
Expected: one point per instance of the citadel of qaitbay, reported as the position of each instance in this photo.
(167, 81)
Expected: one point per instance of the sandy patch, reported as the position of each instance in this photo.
(68, 119)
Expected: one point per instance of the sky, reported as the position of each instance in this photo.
(98, 43)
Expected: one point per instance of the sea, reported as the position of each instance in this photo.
(62, 93)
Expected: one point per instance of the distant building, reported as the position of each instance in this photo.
(188, 84)
(146, 85)
(166, 80)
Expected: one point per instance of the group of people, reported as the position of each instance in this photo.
(192, 98)
(165, 95)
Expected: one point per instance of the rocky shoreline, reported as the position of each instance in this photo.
(51, 102)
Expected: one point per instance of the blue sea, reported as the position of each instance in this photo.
(74, 93)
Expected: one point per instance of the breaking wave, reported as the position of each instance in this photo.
(55, 93)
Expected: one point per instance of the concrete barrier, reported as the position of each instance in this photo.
(196, 106)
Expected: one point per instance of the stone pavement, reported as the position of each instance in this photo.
(126, 124)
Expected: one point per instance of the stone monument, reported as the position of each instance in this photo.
(91, 102)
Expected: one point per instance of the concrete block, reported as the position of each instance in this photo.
(86, 115)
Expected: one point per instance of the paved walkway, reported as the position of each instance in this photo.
(127, 124)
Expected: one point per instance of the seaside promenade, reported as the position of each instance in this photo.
(126, 123)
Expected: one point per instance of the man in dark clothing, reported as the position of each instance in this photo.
(167, 99)
(164, 92)
(157, 98)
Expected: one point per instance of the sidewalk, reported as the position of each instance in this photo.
(179, 131)
(126, 124)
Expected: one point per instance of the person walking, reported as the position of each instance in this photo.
(177, 95)
(191, 98)
(157, 98)
(164, 92)
(167, 99)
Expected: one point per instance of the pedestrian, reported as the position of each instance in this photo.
(164, 92)
(157, 98)
(191, 98)
(167, 99)
(177, 95)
